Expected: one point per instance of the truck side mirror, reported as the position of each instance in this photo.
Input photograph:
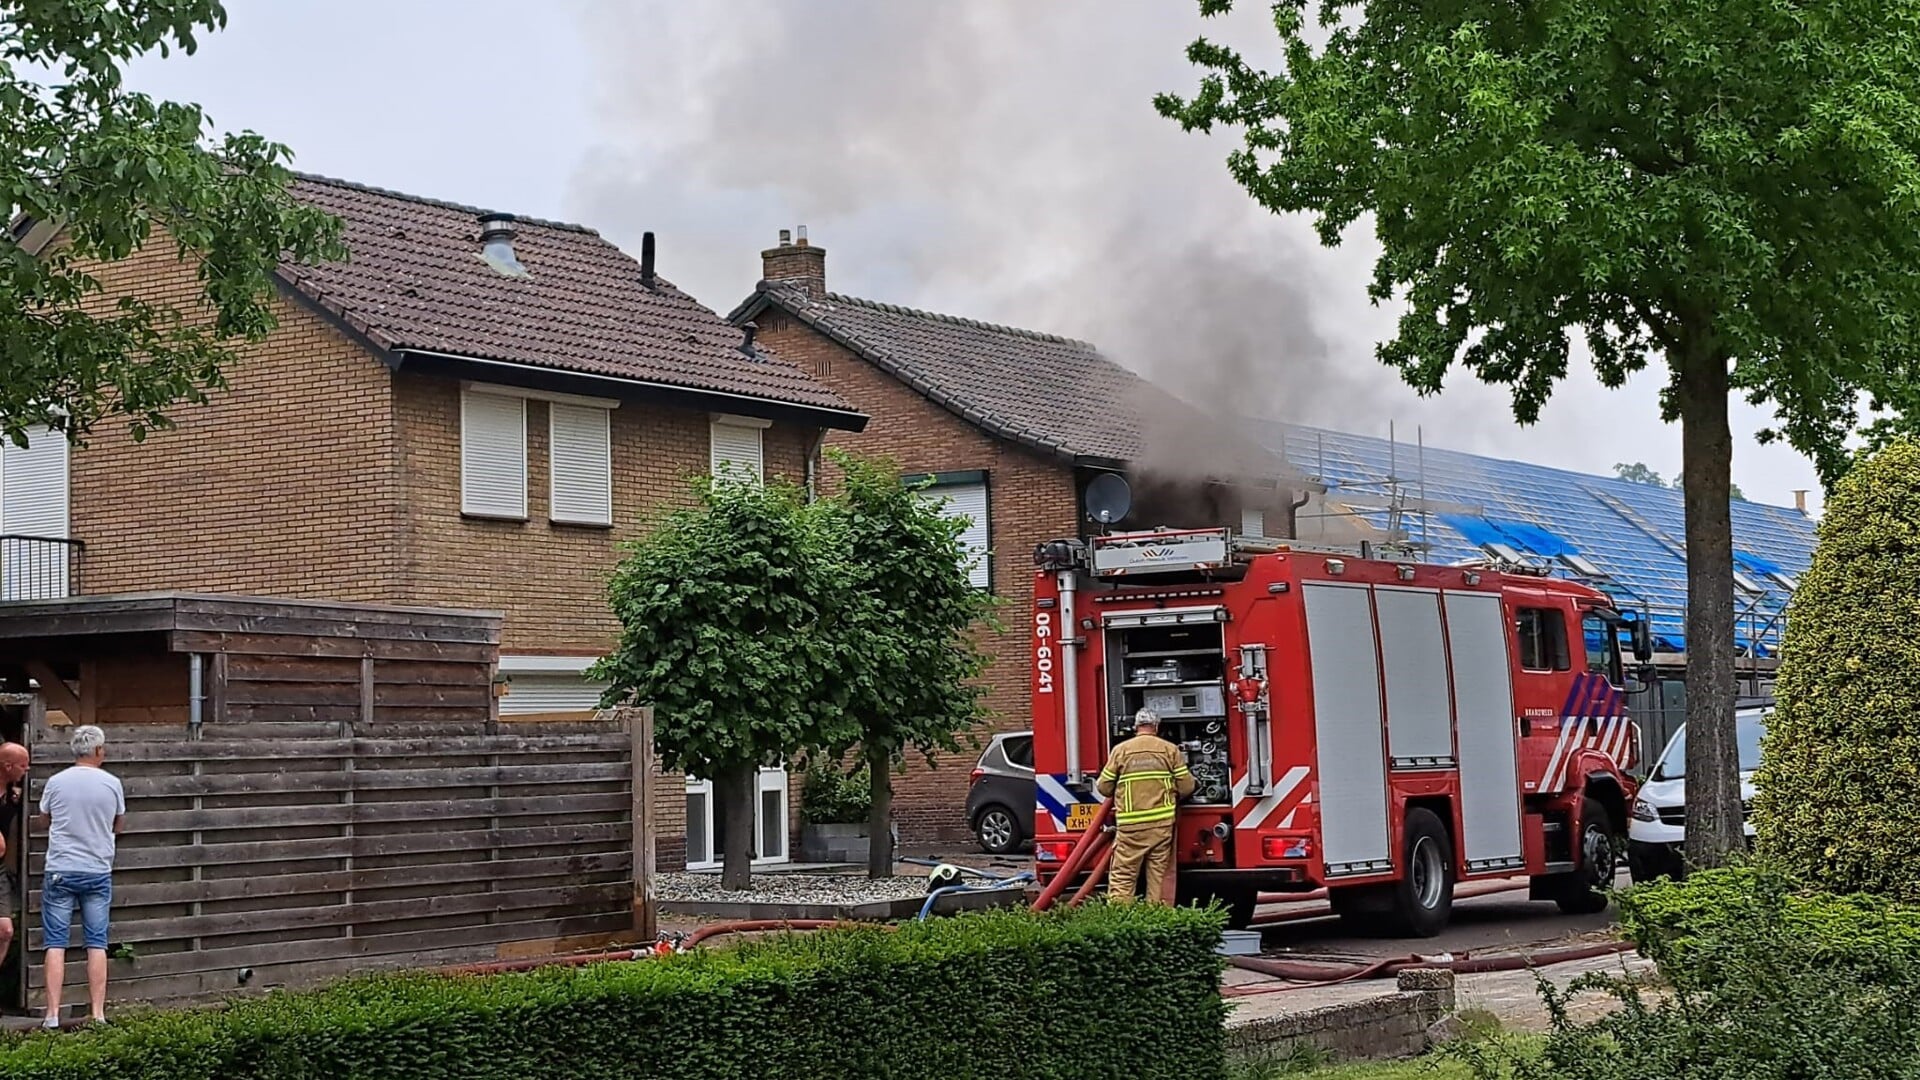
(1642, 640)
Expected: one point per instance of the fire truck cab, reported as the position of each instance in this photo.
(1379, 729)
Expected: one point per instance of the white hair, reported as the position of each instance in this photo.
(1146, 718)
(86, 739)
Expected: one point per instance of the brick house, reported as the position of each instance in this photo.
(471, 411)
(1012, 425)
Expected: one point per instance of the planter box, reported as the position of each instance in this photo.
(833, 843)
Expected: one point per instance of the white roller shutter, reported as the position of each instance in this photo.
(549, 692)
(582, 464)
(737, 448)
(493, 455)
(1253, 523)
(33, 508)
(967, 502)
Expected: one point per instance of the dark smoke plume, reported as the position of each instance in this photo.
(998, 159)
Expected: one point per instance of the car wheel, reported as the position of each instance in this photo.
(1583, 892)
(997, 830)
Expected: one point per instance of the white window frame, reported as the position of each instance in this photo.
(769, 781)
(738, 423)
(483, 504)
(981, 574)
(590, 500)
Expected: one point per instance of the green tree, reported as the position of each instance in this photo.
(1638, 473)
(1841, 761)
(726, 613)
(108, 167)
(1725, 185)
(910, 625)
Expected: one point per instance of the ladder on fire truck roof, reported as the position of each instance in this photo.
(1173, 551)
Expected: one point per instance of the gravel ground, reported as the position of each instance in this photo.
(790, 888)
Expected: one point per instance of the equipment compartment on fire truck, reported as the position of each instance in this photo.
(1373, 728)
(1178, 671)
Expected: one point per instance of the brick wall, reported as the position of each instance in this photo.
(549, 579)
(1030, 500)
(281, 485)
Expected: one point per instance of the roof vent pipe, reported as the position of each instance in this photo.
(746, 340)
(646, 259)
(496, 244)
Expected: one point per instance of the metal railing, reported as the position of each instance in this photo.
(39, 567)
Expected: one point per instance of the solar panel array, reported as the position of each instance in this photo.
(1633, 533)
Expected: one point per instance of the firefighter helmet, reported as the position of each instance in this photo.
(946, 875)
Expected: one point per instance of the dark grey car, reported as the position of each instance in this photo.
(1000, 800)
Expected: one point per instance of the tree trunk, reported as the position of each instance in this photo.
(880, 815)
(1715, 827)
(735, 789)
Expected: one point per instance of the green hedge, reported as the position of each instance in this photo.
(1097, 991)
(1840, 764)
(1685, 926)
(1762, 982)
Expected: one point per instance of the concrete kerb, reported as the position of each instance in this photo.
(1395, 1025)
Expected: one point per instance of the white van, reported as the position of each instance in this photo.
(1657, 825)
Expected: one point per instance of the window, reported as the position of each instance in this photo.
(964, 496)
(1603, 647)
(582, 464)
(1019, 750)
(34, 564)
(1543, 639)
(707, 821)
(493, 455)
(737, 447)
(1253, 523)
(549, 685)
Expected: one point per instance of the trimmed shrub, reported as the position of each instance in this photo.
(829, 796)
(1097, 991)
(1840, 764)
(1762, 983)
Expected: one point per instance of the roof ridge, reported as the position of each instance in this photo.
(446, 204)
(956, 320)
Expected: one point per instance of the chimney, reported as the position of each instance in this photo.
(1800, 500)
(798, 262)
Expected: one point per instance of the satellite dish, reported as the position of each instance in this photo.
(1108, 498)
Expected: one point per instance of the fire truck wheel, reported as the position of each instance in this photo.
(1423, 897)
(1580, 892)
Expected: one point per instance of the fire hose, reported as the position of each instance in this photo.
(1308, 974)
(1083, 852)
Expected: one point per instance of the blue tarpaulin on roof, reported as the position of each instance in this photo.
(1527, 538)
(1634, 533)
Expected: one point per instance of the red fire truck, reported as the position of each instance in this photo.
(1376, 728)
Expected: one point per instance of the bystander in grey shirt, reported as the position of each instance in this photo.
(82, 802)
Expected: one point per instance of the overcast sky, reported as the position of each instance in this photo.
(998, 159)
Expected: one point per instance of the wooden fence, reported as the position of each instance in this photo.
(268, 854)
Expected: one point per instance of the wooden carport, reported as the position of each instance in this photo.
(316, 788)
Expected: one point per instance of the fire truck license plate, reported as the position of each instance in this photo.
(1080, 815)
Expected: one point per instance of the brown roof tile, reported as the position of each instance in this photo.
(1053, 394)
(414, 281)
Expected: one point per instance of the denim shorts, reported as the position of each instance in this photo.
(62, 891)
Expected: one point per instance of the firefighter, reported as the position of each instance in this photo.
(1146, 777)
